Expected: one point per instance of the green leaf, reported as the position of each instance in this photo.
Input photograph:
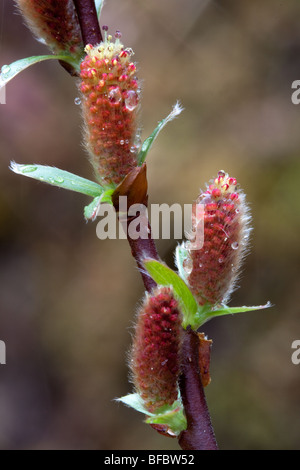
(181, 254)
(134, 401)
(90, 211)
(147, 144)
(99, 5)
(8, 72)
(165, 276)
(170, 415)
(208, 314)
(62, 179)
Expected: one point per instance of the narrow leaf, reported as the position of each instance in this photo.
(134, 401)
(204, 316)
(90, 211)
(181, 254)
(8, 72)
(147, 144)
(165, 276)
(172, 416)
(62, 179)
(99, 5)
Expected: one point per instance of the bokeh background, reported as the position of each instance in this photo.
(68, 300)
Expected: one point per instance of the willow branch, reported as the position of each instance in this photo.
(88, 20)
(199, 434)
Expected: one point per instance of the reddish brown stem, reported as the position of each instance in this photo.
(199, 434)
(89, 24)
(143, 248)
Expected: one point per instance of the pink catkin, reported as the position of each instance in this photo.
(55, 22)
(110, 105)
(155, 353)
(212, 271)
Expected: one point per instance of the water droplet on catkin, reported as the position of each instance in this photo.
(187, 265)
(131, 100)
(115, 95)
(77, 101)
(234, 245)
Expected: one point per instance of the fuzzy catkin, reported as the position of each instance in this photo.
(211, 272)
(55, 22)
(110, 99)
(156, 347)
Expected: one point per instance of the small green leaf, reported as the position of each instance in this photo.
(134, 401)
(206, 315)
(99, 5)
(8, 72)
(62, 179)
(147, 144)
(90, 211)
(181, 254)
(165, 276)
(172, 416)
(106, 196)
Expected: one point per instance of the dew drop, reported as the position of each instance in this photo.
(187, 265)
(77, 101)
(138, 140)
(200, 265)
(115, 95)
(234, 245)
(51, 180)
(237, 211)
(221, 173)
(5, 69)
(59, 180)
(28, 168)
(122, 142)
(131, 100)
(132, 149)
(221, 260)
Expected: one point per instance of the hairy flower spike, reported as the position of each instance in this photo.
(212, 271)
(155, 353)
(54, 22)
(110, 104)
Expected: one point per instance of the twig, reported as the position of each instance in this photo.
(89, 24)
(199, 434)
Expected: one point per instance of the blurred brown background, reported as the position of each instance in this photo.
(68, 300)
